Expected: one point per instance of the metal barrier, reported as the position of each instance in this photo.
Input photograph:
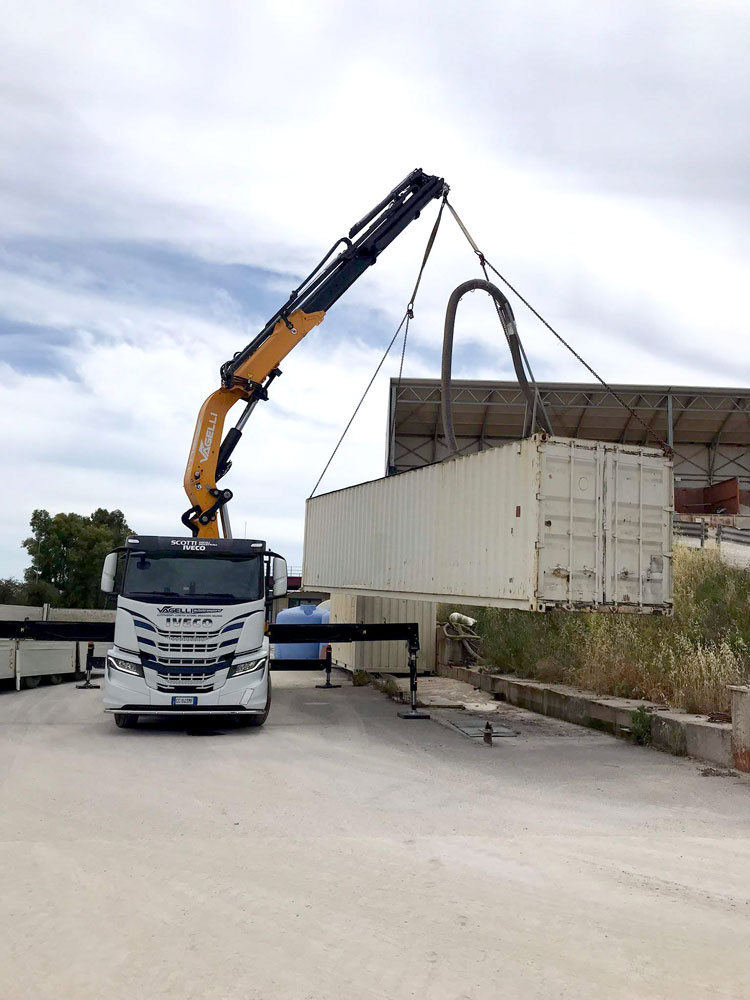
(336, 632)
(342, 632)
(59, 631)
(726, 533)
(690, 529)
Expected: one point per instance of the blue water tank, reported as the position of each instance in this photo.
(304, 614)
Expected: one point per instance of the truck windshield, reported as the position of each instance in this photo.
(222, 578)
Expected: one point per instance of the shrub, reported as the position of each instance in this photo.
(685, 661)
(640, 725)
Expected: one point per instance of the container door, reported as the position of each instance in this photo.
(570, 523)
(638, 528)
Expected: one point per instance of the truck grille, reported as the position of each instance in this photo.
(185, 682)
(188, 648)
(159, 660)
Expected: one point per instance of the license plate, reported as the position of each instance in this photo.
(184, 699)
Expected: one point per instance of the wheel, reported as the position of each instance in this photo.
(55, 678)
(256, 721)
(30, 682)
(125, 721)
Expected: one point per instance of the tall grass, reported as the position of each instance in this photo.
(685, 661)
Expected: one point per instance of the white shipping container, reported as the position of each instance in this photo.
(534, 524)
(390, 657)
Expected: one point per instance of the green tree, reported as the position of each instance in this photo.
(67, 551)
(34, 592)
(38, 592)
(12, 591)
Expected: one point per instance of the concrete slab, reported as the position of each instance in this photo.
(342, 854)
(447, 692)
(678, 733)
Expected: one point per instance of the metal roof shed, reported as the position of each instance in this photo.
(708, 427)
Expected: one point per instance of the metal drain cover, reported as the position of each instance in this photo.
(476, 729)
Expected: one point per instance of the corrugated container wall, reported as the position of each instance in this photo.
(384, 657)
(534, 524)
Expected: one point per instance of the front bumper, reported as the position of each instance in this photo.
(174, 710)
(246, 694)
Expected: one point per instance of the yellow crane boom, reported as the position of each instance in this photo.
(248, 375)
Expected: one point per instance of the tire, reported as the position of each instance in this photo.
(256, 721)
(125, 721)
(55, 678)
(30, 682)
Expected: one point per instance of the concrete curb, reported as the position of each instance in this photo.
(676, 732)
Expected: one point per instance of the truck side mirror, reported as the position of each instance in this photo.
(279, 577)
(109, 570)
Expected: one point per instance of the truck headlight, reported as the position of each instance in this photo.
(246, 668)
(126, 666)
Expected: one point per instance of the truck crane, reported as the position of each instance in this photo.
(249, 374)
(189, 629)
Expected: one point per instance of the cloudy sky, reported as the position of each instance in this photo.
(170, 170)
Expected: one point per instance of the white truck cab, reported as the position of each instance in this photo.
(190, 628)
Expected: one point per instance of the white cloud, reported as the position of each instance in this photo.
(119, 437)
(593, 153)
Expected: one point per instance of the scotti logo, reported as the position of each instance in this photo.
(205, 446)
(193, 546)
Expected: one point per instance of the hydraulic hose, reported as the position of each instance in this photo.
(511, 333)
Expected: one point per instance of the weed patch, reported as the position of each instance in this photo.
(388, 686)
(640, 726)
(685, 661)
